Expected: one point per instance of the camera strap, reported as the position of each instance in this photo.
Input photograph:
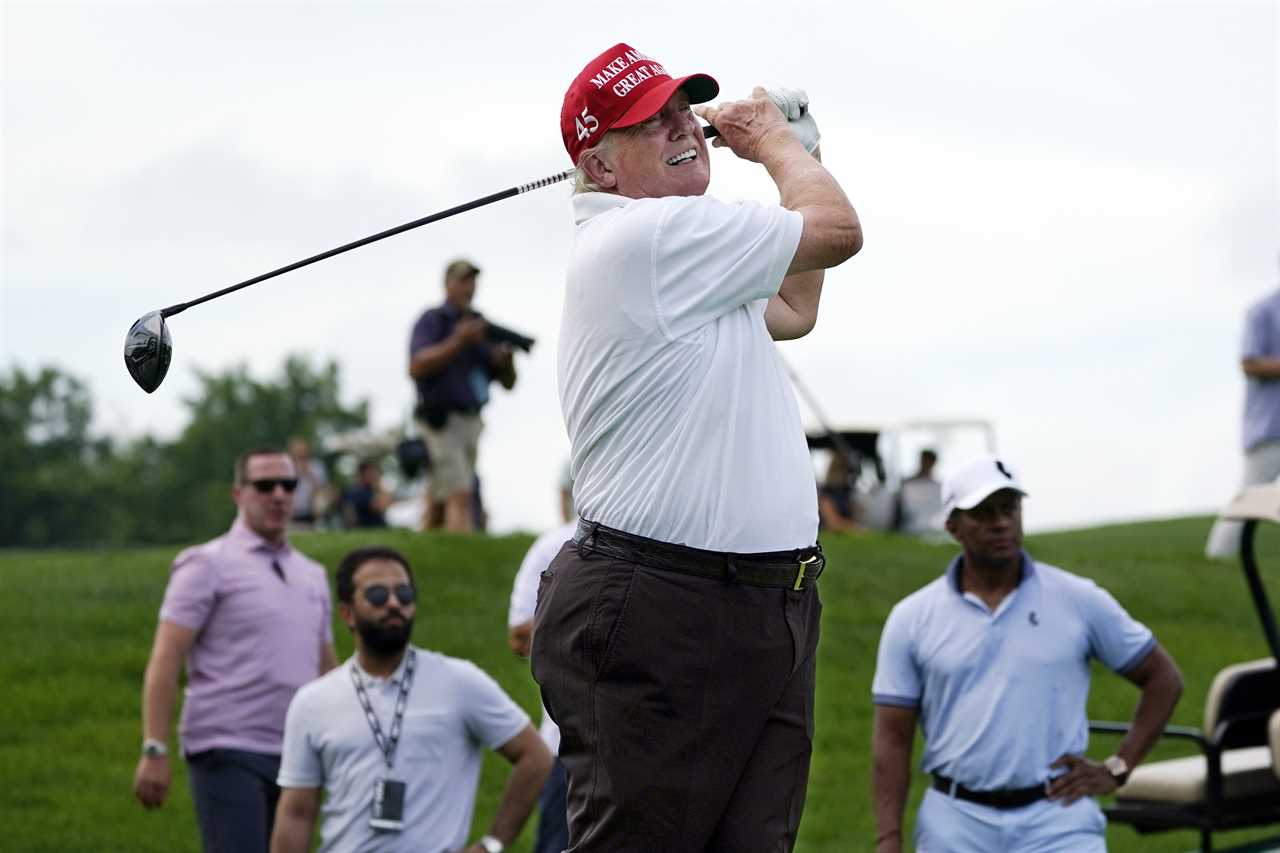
(386, 743)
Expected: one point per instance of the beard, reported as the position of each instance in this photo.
(382, 639)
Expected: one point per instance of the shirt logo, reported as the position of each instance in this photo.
(1033, 619)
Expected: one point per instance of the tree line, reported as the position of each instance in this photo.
(61, 484)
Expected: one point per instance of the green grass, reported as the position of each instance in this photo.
(77, 629)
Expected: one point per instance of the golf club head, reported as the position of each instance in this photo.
(148, 350)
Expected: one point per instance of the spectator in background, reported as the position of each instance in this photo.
(919, 500)
(553, 824)
(837, 506)
(311, 498)
(364, 502)
(250, 617)
(1260, 363)
(453, 364)
(398, 717)
(993, 661)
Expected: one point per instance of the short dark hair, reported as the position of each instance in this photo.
(351, 563)
(242, 461)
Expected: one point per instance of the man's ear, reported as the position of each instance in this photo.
(348, 616)
(599, 172)
(951, 524)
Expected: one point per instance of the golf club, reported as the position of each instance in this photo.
(148, 347)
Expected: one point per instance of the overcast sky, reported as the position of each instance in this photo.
(1067, 208)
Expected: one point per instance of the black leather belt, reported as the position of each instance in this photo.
(1004, 798)
(796, 569)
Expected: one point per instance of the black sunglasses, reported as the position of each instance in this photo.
(268, 485)
(378, 594)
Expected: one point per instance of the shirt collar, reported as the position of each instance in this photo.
(957, 562)
(246, 538)
(588, 205)
(394, 678)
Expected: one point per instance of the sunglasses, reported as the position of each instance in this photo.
(379, 594)
(268, 486)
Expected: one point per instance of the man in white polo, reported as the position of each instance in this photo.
(992, 660)
(675, 639)
(393, 739)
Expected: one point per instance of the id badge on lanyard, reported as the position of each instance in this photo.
(387, 812)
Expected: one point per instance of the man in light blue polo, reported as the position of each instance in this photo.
(1260, 428)
(992, 660)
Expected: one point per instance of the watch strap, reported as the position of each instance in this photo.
(491, 844)
(153, 748)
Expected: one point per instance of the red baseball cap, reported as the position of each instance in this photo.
(620, 88)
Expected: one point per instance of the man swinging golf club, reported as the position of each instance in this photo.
(675, 636)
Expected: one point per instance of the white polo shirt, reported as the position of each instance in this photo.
(1001, 694)
(682, 419)
(454, 712)
(524, 600)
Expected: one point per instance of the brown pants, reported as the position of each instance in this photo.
(685, 705)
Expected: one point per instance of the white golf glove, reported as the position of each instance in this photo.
(794, 104)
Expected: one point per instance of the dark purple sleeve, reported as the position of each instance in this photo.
(427, 331)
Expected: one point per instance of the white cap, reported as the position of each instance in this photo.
(975, 481)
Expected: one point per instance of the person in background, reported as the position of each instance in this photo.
(453, 364)
(311, 497)
(993, 661)
(393, 739)
(250, 617)
(837, 500)
(919, 500)
(1260, 428)
(553, 824)
(365, 502)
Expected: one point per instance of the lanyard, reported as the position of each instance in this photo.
(386, 744)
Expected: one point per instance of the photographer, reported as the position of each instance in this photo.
(453, 356)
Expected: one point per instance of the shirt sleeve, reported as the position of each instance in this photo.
(300, 764)
(492, 717)
(897, 679)
(1115, 638)
(1257, 341)
(711, 257)
(190, 595)
(524, 591)
(427, 331)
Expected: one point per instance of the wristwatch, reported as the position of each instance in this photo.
(491, 844)
(153, 748)
(1118, 768)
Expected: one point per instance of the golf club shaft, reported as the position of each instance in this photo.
(707, 131)
(837, 439)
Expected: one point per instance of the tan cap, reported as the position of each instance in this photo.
(461, 268)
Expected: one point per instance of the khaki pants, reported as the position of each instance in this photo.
(453, 454)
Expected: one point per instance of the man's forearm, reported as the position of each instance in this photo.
(159, 693)
(292, 833)
(805, 185)
(890, 782)
(430, 360)
(523, 786)
(1155, 706)
(1261, 367)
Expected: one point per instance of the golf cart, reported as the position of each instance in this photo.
(879, 461)
(1235, 782)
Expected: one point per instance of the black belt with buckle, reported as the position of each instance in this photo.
(796, 569)
(1004, 798)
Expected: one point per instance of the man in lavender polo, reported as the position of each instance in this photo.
(250, 616)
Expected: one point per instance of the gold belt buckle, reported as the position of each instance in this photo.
(800, 574)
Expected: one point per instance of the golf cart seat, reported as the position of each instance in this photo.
(1243, 696)
(1235, 782)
